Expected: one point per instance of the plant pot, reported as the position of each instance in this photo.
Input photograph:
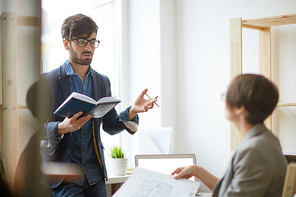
(118, 166)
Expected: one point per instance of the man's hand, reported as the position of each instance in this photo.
(72, 124)
(141, 105)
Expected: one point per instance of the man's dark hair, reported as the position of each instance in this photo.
(256, 93)
(76, 25)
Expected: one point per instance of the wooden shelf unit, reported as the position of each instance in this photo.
(286, 104)
(263, 26)
(9, 106)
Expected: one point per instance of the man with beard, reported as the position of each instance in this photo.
(77, 139)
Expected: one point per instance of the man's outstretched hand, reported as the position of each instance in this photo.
(141, 104)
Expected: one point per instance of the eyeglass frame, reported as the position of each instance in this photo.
(87, 41)
(223, 96)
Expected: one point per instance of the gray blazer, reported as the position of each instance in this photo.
(257, 168)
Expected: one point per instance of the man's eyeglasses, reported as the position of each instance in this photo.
(83, 42)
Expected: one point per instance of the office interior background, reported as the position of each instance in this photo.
(179, 50)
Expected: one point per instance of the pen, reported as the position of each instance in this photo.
(151, 99)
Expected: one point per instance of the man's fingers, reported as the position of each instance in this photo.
(151, 103)
(77, 115)
(77, 122)
(84, 119)
(144, 92)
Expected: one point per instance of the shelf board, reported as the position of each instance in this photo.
(285, 104)
(260, 23)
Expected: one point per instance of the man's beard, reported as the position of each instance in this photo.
(74, 57)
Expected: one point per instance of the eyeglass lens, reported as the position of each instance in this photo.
(83, 43)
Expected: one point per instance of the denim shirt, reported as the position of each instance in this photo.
(84, 152)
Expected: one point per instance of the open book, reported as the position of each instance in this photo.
(77, 102)
(146, 183)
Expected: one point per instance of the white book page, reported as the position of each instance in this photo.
(108, 99)
(101, 110)
(82, 97)
(146, 183)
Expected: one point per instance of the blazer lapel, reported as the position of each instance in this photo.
(64, 82)
(96, 85)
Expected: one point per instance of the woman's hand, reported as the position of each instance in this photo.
(185, 172)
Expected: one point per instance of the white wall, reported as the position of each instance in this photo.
(144, 53)
(203, 61)
(199, 72)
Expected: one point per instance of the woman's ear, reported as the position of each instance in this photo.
(240, 110)
(66, 44)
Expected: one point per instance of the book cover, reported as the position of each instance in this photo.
(77, 102)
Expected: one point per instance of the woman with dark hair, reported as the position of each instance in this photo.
(258, 166)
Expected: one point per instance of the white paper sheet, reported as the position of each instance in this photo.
(155, 140)
(146, 183)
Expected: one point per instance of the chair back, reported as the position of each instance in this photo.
(290, 181)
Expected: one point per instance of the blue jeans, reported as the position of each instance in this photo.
(73, 190)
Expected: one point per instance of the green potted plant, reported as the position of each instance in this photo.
(117, 162)
(116, 152)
